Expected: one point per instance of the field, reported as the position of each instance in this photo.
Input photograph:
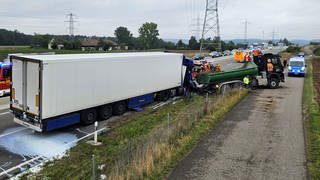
(316, 77)
(312, 116)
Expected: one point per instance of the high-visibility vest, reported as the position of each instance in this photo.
(269, 67)
(246, 80)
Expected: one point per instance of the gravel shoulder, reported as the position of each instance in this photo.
(261, 138)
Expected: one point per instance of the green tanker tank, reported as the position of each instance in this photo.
(211, 78)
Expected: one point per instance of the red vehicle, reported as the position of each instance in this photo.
(5, 71)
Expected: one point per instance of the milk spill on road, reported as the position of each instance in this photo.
(28, 143)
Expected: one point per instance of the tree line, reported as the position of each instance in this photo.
(148, 39)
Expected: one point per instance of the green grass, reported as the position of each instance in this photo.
(145, 146)
(312, 125)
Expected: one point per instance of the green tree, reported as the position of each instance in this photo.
(124, 36)
(193, 43)
(148, 35)
(180, 44)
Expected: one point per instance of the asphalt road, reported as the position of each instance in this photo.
(261, 138)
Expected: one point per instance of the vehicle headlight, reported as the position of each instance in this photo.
(289, 67)
(303, 68)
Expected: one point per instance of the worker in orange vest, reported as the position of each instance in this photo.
(269, 66)
(217, 68)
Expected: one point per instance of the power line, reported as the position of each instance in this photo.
(273, 35)
(246, 31)
(71, 22)
(211, 24)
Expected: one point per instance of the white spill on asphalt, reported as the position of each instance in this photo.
(28, 143)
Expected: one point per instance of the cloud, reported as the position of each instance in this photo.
(288, 18)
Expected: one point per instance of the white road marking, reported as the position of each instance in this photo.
(3, 135)
(4, 113)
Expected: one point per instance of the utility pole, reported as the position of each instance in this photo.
(71, 22)
(246, 32)
(273, 34)
(211, 24)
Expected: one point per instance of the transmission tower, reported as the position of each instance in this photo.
(196, 28)
(211, 26)
(71, 22)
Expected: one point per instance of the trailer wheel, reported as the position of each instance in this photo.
(273, 83)
(105, 112)
(119, 108)
(88, 116)
(173, 93)
(163, 95)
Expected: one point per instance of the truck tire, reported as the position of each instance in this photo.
(254, 83)
(119, 108)
(105, 112)
(163, 95)
(180, 91)
(273, 83)
(88, 116)
(173, 93)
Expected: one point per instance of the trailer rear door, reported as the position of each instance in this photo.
(17, 84)
(33, 88)
(25, 86)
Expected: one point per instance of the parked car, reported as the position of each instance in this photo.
(227, 53)
(215, 54)
(198, 57)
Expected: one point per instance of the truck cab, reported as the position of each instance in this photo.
(271, 79)
(297, 66)
(5, 71)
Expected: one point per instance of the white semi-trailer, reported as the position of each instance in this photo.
(53, 91)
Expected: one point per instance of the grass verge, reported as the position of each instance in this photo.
(148, 144)
(312, 123)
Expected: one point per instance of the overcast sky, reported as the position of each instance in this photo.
(294, 19)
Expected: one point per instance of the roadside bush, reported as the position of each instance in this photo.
(293, 49)
(317, 51)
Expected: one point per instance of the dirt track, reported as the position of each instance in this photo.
(261, 138)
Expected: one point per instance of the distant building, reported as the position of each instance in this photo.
(54, 45)
(89, 44)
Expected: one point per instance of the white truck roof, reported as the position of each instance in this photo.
(297, 59)
(68, 57)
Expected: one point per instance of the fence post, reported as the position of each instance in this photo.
(206, 105)
(95, 132)
(93, 168)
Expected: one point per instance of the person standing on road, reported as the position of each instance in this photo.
(269, 66)
(246, 81)
(285, 63)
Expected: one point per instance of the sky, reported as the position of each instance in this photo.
(176, 19)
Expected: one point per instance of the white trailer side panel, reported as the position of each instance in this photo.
(75, 84)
